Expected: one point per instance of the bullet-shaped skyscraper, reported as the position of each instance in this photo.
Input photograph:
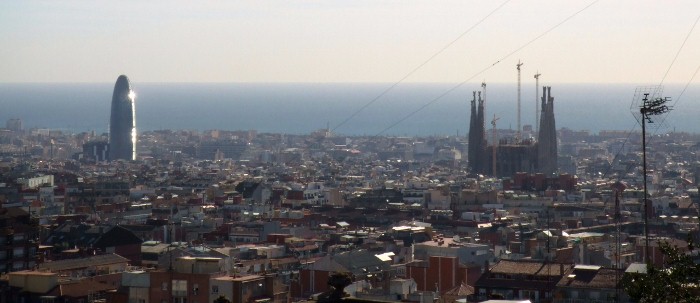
(122, 122)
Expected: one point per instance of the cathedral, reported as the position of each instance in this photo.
(512, 157)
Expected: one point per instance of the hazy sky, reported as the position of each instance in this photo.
(344, 40)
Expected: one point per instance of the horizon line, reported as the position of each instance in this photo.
(332, 82)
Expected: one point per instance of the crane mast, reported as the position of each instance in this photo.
(483, 89)
(518, 135)
(537, 104)
(494, 144)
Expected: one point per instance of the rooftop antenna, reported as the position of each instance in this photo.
(644, 109)
(549, 235)
(618, 188)
(537, 104)
(546, 259)
(518, 135)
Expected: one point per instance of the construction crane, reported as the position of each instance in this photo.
(518, 135)
(537, 103)
(495, 143)
(483, 88)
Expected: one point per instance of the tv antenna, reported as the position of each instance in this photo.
(647, 103)
(649, 92)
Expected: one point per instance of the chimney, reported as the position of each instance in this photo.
(486, 266)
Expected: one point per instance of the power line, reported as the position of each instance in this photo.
(419, 66)
(679, 49)
(687, 84)
(663, 119)
(669, 68)
(629, 133)
(683, 91)
(487, 68)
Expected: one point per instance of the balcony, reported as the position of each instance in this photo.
(179, 293)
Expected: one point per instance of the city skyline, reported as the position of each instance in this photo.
(320, 151)
(360, 41)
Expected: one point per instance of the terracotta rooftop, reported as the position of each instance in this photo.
(80, 288)
(460, 291)
(72, 264)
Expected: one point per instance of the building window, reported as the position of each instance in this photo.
(215, 289)
(528, 294)
(164, 286)
(195, 289)
(18, 265)
(574, 294)
(179, 288)
(18, 252)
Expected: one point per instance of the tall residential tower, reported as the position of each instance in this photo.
(122, 122)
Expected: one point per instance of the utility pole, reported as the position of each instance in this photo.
(518, 135)
(618, 188)
(483, 89)
(537, 104)
(649, 108)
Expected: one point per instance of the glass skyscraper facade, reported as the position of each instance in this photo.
(122, 122)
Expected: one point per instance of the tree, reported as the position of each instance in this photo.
(679, 281)
(337, 281)
(222, 299)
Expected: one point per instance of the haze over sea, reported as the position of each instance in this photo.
(299, 108)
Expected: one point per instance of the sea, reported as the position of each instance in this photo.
(353, 109)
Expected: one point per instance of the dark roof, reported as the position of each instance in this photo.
(522, 274)
(86, 235)
(12, 212)
(139, 227)
(117, 236)
(524, 267)
(360, 262)
(74, 234)
(589, 277)
(247, 188)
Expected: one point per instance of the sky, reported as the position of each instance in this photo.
(612, 41)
